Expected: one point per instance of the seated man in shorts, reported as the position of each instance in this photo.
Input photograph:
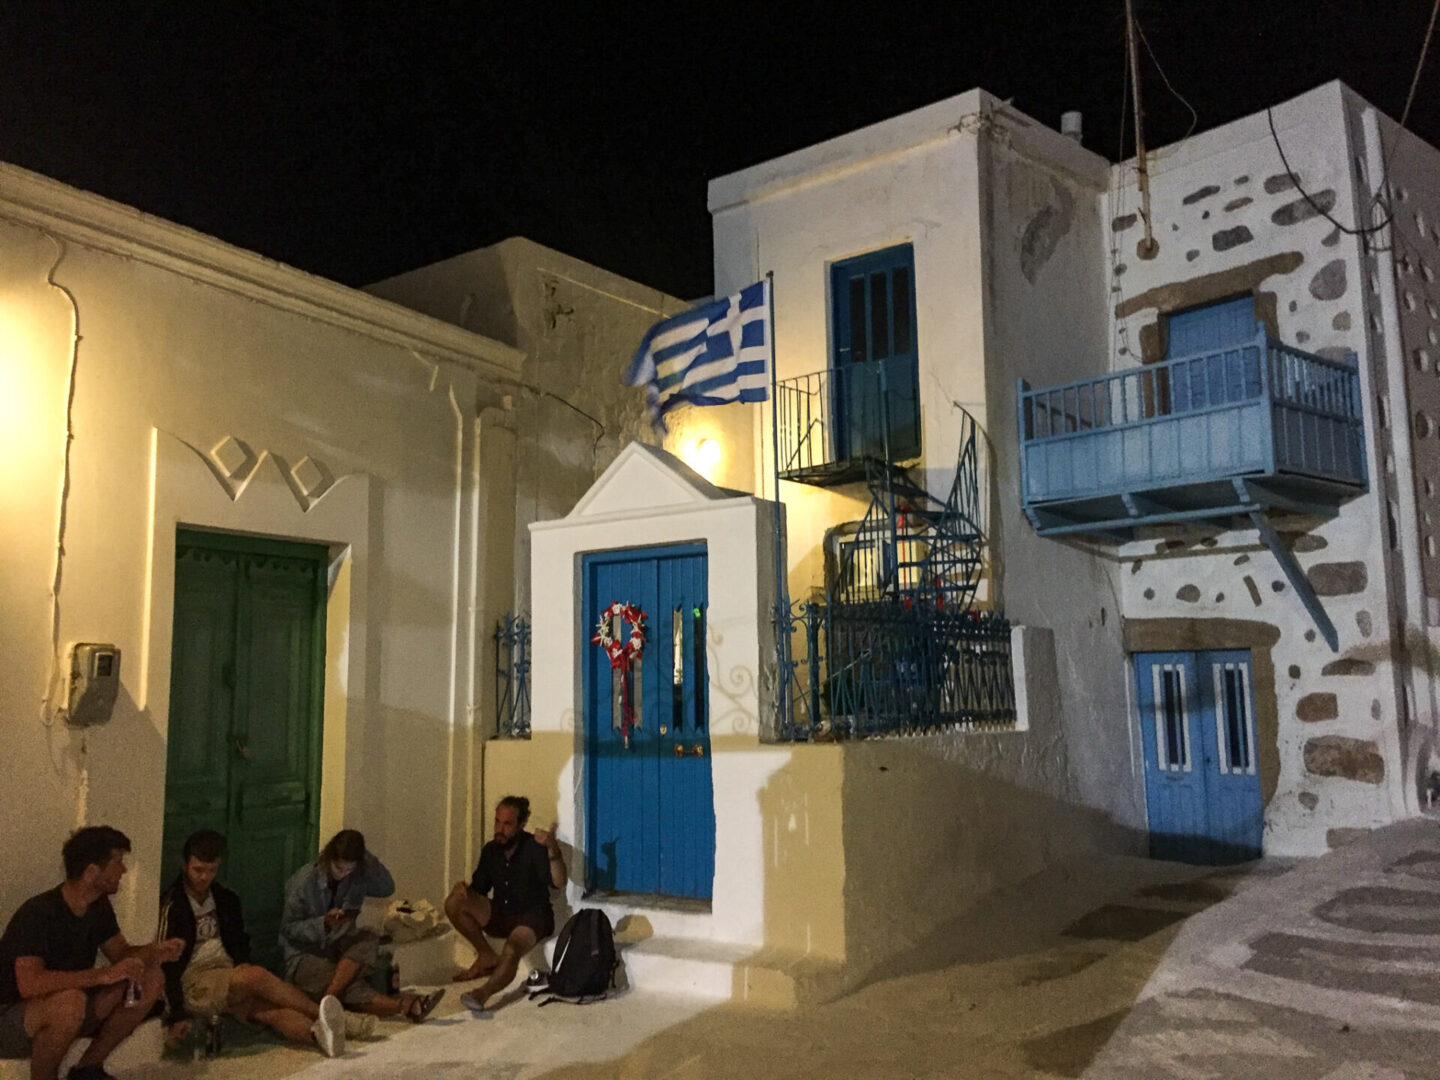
(213, 975)
(51, 992)
(326, 953)
(519, 870)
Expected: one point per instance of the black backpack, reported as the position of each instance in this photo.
(584, 958)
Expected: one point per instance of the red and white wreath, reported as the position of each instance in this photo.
(624, 652)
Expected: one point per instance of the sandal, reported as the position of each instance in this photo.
(418, 1007)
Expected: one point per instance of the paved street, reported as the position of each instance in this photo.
(1120, 968)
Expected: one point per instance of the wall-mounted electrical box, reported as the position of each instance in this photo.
(94, 683)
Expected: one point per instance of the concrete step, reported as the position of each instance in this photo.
(719, 971)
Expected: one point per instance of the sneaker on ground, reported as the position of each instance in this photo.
(359, 1025)
(329, 1028)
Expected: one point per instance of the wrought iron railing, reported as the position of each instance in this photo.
(864, 670)
(512, 678)
(828, 423)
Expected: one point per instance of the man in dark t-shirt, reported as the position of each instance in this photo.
(518, 870)
(51, 992)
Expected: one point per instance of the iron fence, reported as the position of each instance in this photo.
(862, 670)
(512, 677)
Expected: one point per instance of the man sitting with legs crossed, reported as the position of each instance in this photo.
(51, 992)
(519, 870)
(213, 976)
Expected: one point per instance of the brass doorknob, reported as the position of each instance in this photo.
(679, 750)
(699, 750)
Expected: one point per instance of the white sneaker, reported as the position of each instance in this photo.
(359, 1025)
(329, 1029)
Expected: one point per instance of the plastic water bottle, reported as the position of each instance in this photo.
(212, 1036)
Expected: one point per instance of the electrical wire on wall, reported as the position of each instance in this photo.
(1379, 196)
(52, 688)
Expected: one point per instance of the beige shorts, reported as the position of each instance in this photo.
(207, 991)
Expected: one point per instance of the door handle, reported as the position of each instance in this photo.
(242, 747)
(699, 750)
(679, 749)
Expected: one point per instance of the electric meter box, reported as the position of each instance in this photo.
(94, 683)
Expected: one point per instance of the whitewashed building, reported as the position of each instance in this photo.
(1192, 520)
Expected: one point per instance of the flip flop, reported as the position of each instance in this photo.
(419, 1007)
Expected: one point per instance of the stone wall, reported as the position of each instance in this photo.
(1230, 218)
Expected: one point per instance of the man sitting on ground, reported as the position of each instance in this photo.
(326, 953)
(51, 992)
(520, 869)
(213, 975)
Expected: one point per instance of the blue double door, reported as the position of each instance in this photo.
(649, 794)
(1202, 779)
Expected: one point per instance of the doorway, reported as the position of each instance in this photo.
(1202, 779)
(246, 704)
(649, 797)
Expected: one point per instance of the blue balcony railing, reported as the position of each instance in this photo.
(1192, 437)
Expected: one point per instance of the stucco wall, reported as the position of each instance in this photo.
(213, 388)
(1046, 323)
(908, 180)
(1228, 219)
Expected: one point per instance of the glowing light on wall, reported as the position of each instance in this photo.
(29, 398)
(704, 458)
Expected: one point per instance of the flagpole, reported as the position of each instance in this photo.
(782, 590)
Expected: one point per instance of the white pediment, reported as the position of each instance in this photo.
(645, 477)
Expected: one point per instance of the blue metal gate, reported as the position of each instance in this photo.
(1202, 780)
(649, 794)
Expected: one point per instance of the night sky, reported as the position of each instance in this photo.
(360, 140)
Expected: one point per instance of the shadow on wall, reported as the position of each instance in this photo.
(872, 846)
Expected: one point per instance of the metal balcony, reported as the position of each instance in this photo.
(829, 423)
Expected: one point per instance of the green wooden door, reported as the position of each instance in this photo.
(246, 696)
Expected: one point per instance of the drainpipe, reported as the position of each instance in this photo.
(1406, 563)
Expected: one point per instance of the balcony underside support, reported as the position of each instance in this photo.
(1298, 581)
(1260, 497)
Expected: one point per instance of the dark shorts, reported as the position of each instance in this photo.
(14, 1043)
(502, 926)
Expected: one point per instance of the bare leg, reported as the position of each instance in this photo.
(345, 971)
(53, 1022)
(468, 913)
(120, 1022)
(291, 1023)
(253, 988)
(383, 1005)
(521, 940)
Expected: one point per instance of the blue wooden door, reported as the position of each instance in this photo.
(649, 795)
(1202, 781)
(1220, 333)
(876, 398)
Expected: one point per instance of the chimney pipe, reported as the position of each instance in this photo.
(1070, 123)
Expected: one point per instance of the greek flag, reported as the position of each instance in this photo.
(710, 355)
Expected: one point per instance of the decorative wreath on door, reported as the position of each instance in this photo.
(623, 651)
